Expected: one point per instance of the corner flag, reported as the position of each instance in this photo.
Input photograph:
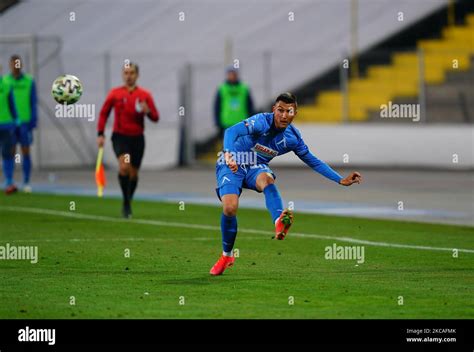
(100, 173)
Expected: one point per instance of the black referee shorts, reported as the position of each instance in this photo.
(131, 145)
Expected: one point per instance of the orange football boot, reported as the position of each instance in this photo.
(283, 224)
(223, 263)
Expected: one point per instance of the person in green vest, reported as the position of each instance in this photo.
(8, 117)
(233, 102)
(24, 93)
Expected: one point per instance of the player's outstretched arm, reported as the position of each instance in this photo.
(354, 177)
(303, 152)
(318, 165)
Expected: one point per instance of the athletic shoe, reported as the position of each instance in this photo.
(11, 189)
(283, 224)
(27, 188)
(223, 263)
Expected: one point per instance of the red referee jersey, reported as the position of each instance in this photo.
(129, 119)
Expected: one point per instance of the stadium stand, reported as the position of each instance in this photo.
(401, 79)
(273, 58)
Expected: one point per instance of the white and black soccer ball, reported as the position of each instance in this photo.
(67, 89)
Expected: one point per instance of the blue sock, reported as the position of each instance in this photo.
(273, 201)
(26, 168)
(8, 166)
(229, 232)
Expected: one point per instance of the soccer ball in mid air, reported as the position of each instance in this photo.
(67, 89)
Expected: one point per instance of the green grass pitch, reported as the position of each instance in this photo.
(83, 260)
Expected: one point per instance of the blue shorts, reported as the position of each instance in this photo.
(245, 177)
(23, 136)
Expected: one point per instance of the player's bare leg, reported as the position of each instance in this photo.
(124, 181)
(283, 218)
(230, 204)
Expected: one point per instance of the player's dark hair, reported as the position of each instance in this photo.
(132, 64)
(287, 97)
(15, 57)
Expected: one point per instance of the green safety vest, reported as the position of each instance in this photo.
(233, 103)
(5, 114)
(22, 96)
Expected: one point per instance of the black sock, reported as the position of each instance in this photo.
(125, 185)
(133, 186)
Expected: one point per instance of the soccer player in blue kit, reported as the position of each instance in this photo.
(257, 140)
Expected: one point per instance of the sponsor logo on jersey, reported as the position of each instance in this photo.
(264, 151)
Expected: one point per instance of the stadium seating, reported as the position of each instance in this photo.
(399, 79)
(251, 27)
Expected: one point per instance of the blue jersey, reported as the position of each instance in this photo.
(258, 134)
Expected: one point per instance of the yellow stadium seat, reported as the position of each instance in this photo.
(399, 79)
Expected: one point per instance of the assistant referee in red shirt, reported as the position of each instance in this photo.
(130, 103)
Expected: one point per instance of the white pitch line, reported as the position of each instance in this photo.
(216, 228)
(124, 239)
